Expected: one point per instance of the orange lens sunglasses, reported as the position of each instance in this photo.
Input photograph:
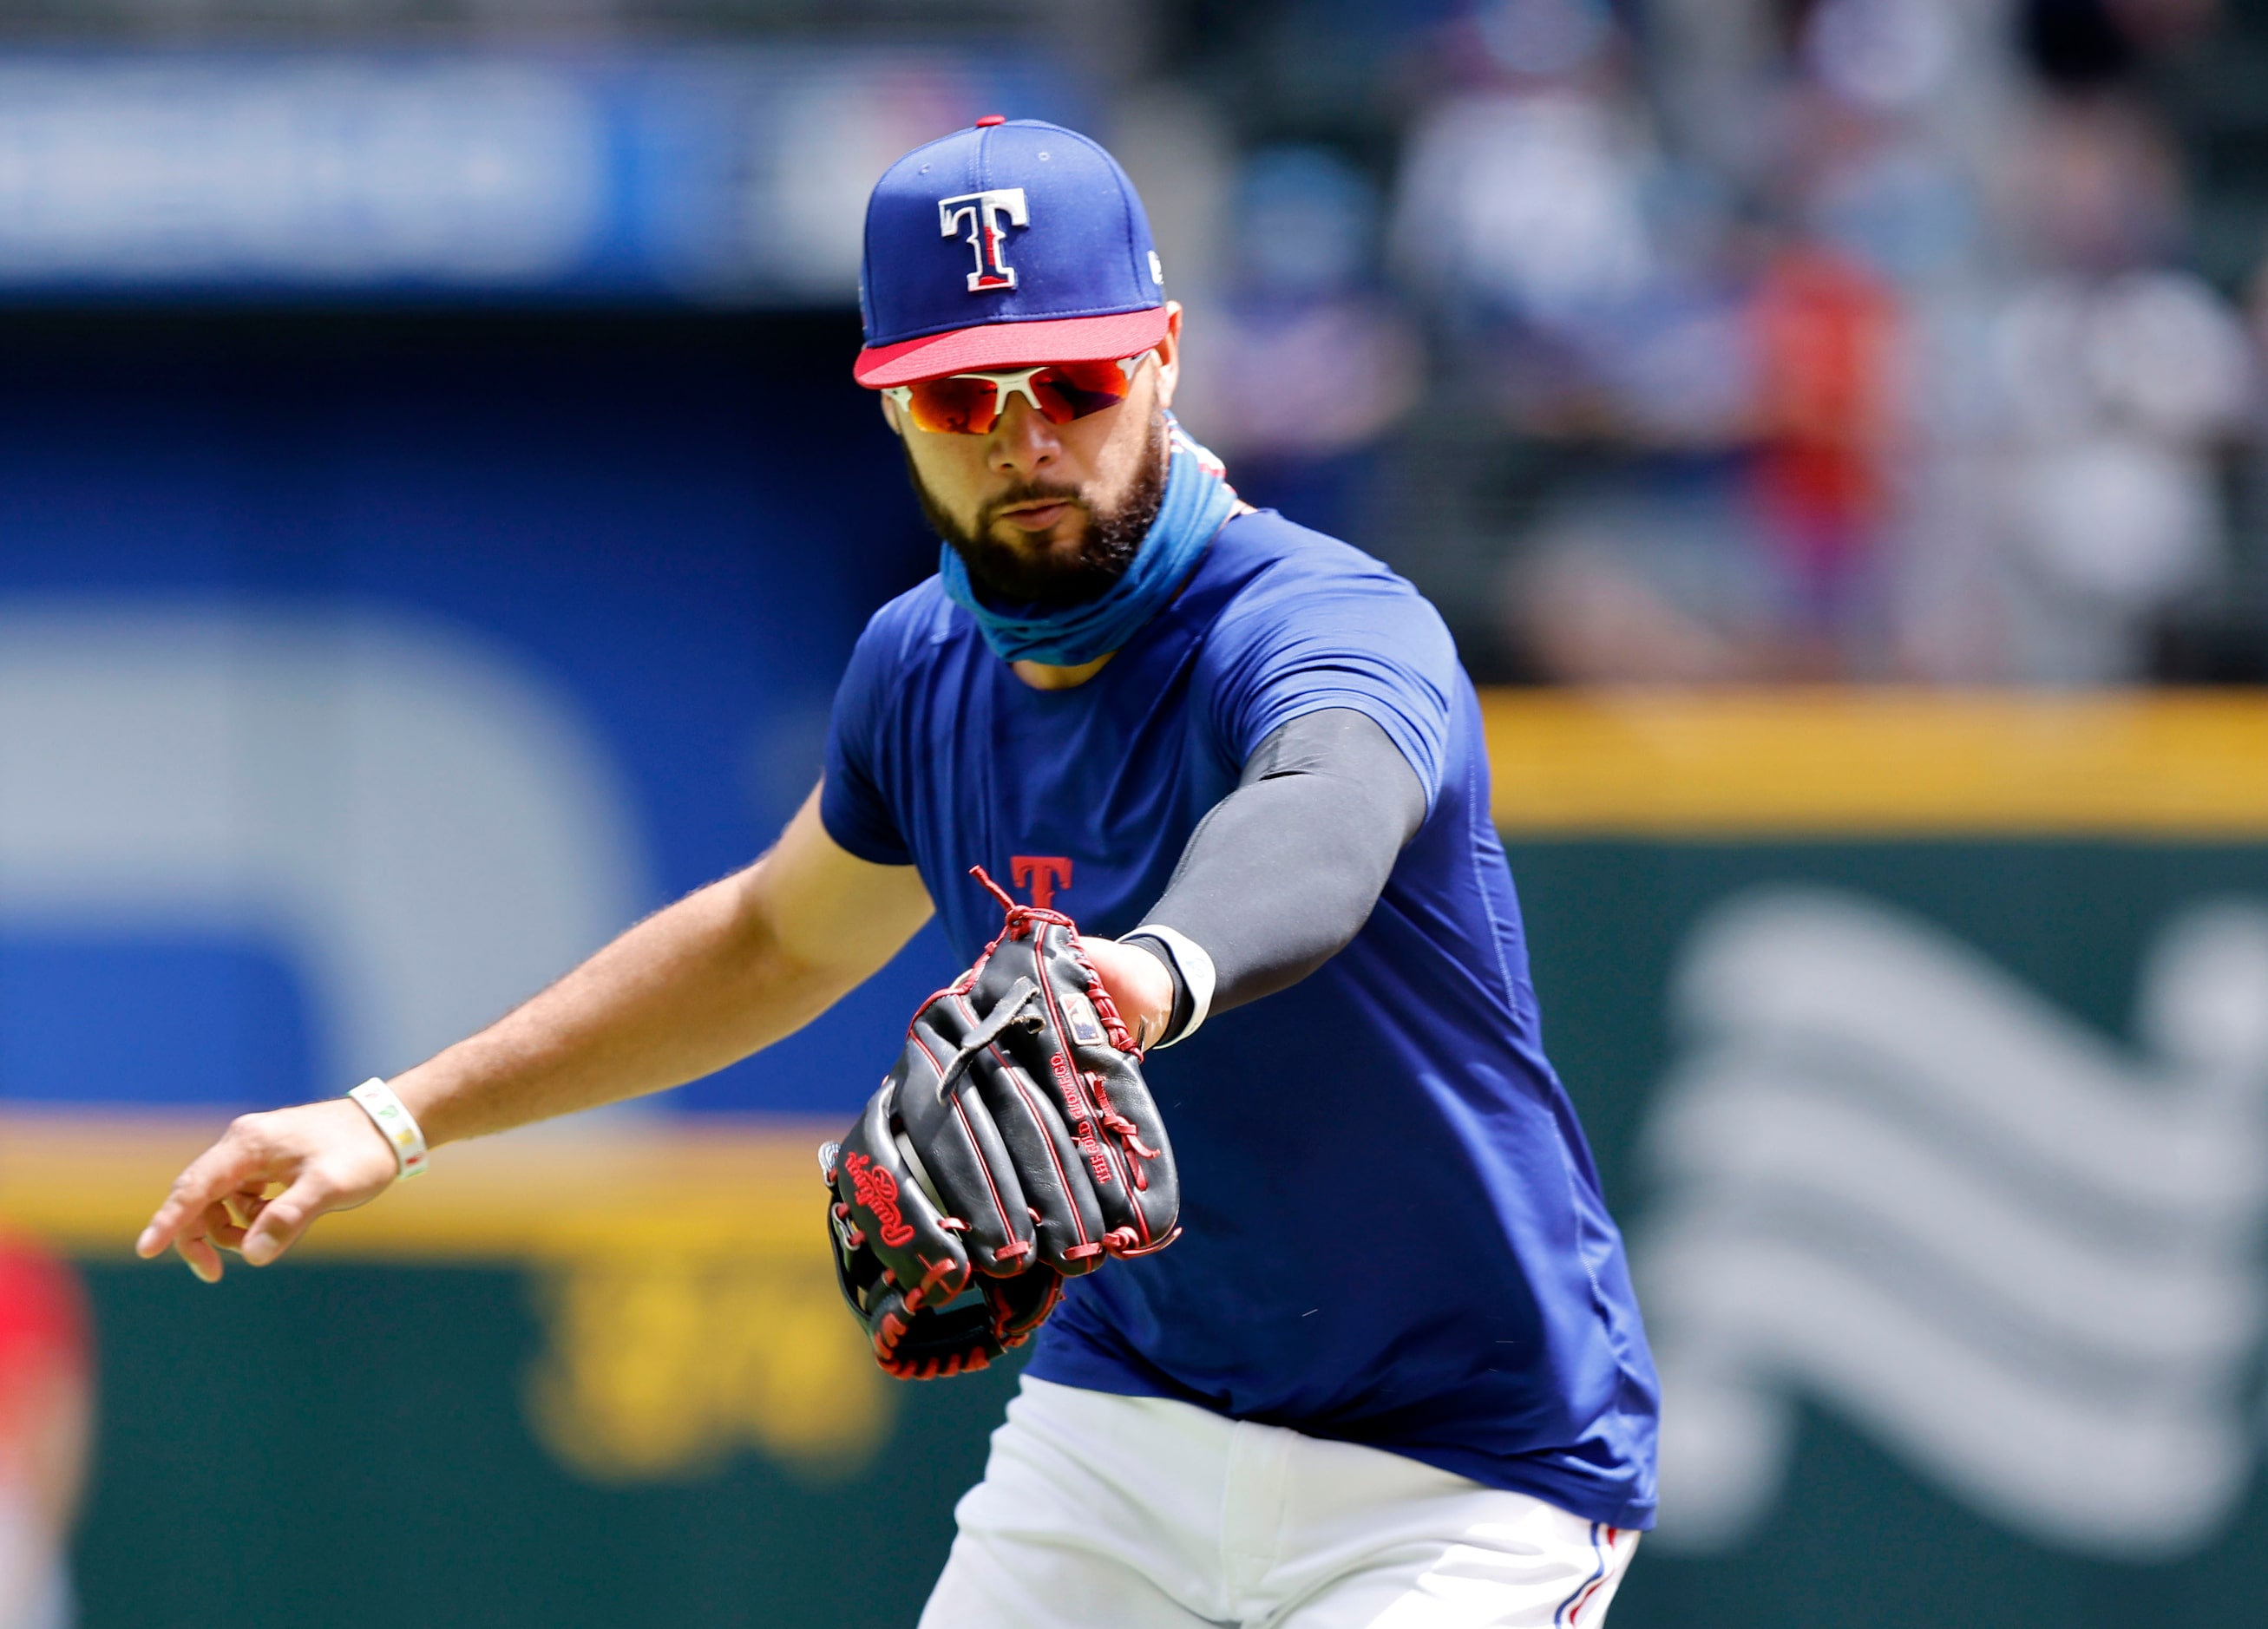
(970, 404)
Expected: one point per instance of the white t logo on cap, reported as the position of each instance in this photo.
(986, 233)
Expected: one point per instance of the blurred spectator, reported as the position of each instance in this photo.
(1619, 303)
(2118, 377)
(1306, 362)
(1522, 213)
(1576, 282)
(1177, 147)
(1644, 587)
(1823, 330)
(45, 1413)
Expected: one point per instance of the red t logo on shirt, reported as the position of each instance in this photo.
(1044, 873)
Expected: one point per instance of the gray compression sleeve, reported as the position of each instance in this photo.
(1283, 871)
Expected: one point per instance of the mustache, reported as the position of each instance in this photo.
(1029, 492)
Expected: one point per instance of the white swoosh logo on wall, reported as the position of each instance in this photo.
(426, 830)
(1896, 1182)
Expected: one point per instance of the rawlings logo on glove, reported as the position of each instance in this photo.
(878, 1191)
(1014, 1144)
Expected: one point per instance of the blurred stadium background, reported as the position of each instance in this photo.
(434, 507)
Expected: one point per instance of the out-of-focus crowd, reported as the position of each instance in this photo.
(1734, 340)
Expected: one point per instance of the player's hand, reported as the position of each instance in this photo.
(1138, 983)
(256, 1189)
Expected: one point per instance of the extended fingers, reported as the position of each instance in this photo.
(216, 1228)
(223, 1169)
(281, 1220)
(256, 1226)
(256, 1189)
(203, 1259)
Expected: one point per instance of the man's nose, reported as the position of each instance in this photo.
(1023, 443)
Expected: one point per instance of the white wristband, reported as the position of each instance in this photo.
(396, 1124)
(1195, 966)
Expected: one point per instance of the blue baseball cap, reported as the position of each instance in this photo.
(1008, 245)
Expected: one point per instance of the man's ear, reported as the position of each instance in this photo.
(890, 414)
(1169, 354)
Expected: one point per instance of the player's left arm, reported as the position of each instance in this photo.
(1277, 879)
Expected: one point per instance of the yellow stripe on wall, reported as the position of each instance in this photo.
(88, 1181)
(1879, 763)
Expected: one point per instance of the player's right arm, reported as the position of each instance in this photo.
(721, 973)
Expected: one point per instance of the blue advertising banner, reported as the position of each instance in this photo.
(715, 175)
(355, 685)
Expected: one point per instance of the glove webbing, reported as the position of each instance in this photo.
(1020, 995)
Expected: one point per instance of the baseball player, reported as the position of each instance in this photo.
(1389, 1371)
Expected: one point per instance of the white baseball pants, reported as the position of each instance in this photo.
(1109, 1512)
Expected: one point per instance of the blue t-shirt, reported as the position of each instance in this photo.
(1393, 1230)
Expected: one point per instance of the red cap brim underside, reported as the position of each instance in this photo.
(1010, 345)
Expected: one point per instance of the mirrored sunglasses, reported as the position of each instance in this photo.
(970, 404)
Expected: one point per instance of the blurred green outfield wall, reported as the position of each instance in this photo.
(1930, 1354)
(1923, 1048)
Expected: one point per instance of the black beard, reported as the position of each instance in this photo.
(1018, 576)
